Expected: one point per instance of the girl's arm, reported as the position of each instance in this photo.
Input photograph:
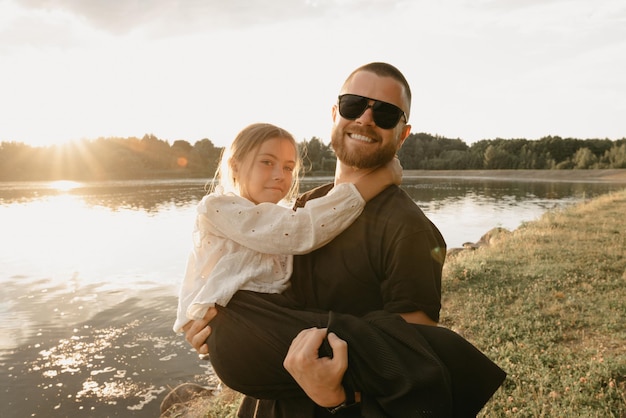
(275, 229)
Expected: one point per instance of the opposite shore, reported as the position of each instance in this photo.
(602, 175)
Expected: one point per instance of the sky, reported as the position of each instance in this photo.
(194, 69)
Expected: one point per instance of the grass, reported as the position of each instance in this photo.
(547, 302)
(222, 405)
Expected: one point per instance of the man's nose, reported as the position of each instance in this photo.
(367, 118)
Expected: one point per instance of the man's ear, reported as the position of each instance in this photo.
(333, 112)
(406, 131)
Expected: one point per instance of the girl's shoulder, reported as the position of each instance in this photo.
(221, 200)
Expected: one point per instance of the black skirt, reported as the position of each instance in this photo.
(401, 369)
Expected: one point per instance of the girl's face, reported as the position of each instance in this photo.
(266, 176)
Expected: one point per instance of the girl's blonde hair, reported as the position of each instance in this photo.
(245, 144)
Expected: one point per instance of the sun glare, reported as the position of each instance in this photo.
(64, 185)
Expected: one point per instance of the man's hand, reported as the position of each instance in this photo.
(320, 378)
(197, 332)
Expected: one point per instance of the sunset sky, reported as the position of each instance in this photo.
(193, 69)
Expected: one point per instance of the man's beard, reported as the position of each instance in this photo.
(358, 159)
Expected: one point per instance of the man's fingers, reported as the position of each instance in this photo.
(210, 314)
(200, 339)
(308, 340)
(203, 349)
(197, 335)
(304, 348)
(340, 350)
(336, 343)
(320, 378)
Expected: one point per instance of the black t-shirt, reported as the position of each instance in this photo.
(390, 258)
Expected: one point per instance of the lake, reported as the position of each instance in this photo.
(89, 275)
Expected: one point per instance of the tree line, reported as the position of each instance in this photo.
(428, 152)
(151, 157)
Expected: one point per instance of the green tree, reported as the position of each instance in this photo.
(316, 155)
(584, 158)
(560, 149)
(425, 151)
(497, 158)
(204, 157)
(181, 151)
(616, 156)
(411, 153)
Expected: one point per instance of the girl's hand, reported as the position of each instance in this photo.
(374, 181)
(395, 169)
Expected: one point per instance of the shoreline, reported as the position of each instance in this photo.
(595, 175)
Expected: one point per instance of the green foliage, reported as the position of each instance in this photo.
(427, 152)
(317, 156)
(151, 157)
(615, 157)
(109, 158)
(584, 158)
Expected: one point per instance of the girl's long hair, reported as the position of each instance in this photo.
(245, 144)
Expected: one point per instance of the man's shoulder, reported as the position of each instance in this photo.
(399, 209)
(394, 196)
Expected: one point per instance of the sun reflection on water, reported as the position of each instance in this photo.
(73, 354)
(64, 185)
(84, 355)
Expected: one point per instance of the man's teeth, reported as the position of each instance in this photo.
(361, 138)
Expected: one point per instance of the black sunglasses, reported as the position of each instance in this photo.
(386, 115)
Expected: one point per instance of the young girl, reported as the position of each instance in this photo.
(243, 240)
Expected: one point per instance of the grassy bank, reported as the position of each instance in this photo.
(547, 303)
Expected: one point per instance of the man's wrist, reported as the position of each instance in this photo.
(349, 401)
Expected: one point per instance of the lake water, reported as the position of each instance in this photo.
(89, 276)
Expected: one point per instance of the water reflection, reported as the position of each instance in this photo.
(425, 190)
(151, 195)
(147, 195)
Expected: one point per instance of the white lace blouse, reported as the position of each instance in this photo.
(240, 245)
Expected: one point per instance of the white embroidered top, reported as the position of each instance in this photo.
(240, 245)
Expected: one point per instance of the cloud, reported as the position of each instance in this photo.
(68, 23)
(120, 17)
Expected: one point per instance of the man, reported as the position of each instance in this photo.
(386, 265)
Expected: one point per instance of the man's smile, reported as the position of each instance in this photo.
(361, 138)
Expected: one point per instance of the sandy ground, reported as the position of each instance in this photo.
(610, 175)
